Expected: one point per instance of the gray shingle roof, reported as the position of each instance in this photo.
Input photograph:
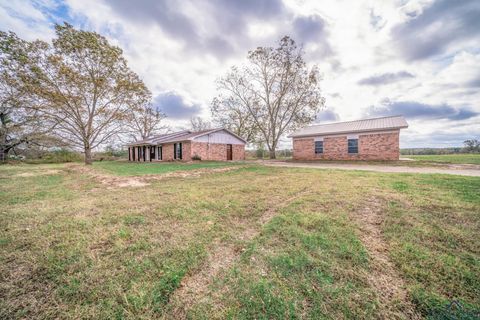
(365, 125)
(178, 137)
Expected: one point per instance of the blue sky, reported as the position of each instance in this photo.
(416, 58)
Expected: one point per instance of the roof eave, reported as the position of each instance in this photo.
(344, 132)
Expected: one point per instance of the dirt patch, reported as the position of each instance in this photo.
(462, 170)
(113, 182)
(38, 173)
(388, 283)
(195, 287)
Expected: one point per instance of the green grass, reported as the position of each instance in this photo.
(72, 247)
(448, 158)
(124, 168)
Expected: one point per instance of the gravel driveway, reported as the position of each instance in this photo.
(462, 170)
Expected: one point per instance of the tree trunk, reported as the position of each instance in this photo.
(3, 154)
(272, 154)
(88, 156)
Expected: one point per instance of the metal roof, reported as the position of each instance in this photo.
(364, 125)
(179, 136)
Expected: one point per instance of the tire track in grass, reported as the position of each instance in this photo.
(384, 278)
(195, 287)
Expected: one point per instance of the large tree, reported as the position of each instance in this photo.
(144, 120)
(472, 145)
(199, 124)
(273, 94)
(228, 112)
(20, 124)
(83, 84)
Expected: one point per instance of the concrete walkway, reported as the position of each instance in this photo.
(466, 170)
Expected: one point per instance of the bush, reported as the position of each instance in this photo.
(196, 157)
(57, 156)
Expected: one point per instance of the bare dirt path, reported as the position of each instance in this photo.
(384, 277)
(462, 170)
(195, 287)
(112, 181)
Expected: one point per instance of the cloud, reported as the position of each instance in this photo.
(312, 29)
(376, 21)
(215, 27)
(327, 115)
(385, 78)
(443, 23)
(175, 107)
(164, 13)
(437, 138)
(418, 110)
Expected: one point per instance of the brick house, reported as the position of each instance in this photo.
(213, 144)
(367, 139)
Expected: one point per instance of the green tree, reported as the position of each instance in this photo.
(472, 145)
(273, 94)
(82, 84)
(19, 123)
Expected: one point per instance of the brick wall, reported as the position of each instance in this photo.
(167, 151)
(217, 151)
(238, 152)
(373, 146)
(212, 151)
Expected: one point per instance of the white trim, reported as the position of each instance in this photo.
(318, 139)
(352, 136)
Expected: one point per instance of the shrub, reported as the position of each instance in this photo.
(196, 157)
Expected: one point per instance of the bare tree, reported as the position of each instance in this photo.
(199, 124)
(231, 114)
(84, 85)
(275, 89)
(144, 120)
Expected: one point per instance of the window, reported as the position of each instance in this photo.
(177, 149)
(352, 145)
(318, 147)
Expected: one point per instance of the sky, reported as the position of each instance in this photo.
(420, 59)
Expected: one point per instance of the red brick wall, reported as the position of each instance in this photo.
(167, 151)
(373, 146)
(238, 152)
(217, 151)
(212, 151)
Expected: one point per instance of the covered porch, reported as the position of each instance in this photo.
(145, 153)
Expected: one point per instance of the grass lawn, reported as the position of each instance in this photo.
(448, 158)
(253, 242)
(124, 168)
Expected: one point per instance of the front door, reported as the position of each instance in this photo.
(152, 153)
(229, 152)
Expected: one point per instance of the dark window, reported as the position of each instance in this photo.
(159, 153)
(352, 145)
(177, 151)
(318, 146)
(152, 153)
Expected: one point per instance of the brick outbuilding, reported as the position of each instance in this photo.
(213, 144)
(367, 139)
